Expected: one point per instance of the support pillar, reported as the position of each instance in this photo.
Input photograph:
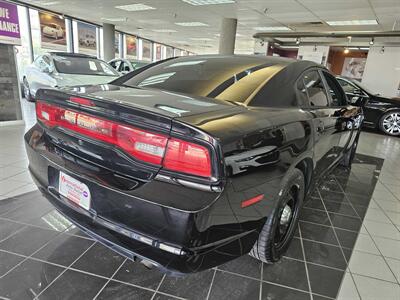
(108, 41)
(228, 36)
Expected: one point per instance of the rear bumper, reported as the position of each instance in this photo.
(177, 241)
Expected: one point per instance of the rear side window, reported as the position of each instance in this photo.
(315, 89)
(301, 92)
(337, 95)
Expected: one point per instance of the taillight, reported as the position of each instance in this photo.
(185, 157)
(171, 153)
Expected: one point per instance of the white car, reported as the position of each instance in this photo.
(59, 69)
(88, 40)
(53, 30)
(125, 66)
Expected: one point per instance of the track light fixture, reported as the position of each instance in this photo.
(297, 41)
(372, 41)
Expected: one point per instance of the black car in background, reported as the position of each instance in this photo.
(194, 161)
(380, 112)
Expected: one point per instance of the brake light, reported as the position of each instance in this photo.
(143, 145)
(188, 158)
(82, 101)
(171, 153)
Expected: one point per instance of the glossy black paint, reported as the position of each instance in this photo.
(376, 106)
(253, 148)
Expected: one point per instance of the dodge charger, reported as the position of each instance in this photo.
(191, 162)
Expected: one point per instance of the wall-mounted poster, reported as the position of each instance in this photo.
(131, 49)
(146, 50)
(52, 31)
(353, 67)
(87, 38)
(9, 24)
(169, 52)
(157, 48)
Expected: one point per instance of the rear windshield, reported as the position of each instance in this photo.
(83, 66)
(231, 79)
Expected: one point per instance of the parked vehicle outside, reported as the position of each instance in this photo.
(59, 69)
(381, 112)
(193, 161)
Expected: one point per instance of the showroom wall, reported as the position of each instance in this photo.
(382, 70)
(337, 58)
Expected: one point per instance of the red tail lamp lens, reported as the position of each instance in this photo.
(173, 154)
(185, 157)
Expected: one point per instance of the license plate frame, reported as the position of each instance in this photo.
(74, 190)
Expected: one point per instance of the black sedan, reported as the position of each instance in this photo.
(191, 162)
(380, 112)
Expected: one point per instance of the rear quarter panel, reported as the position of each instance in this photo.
(259, 146)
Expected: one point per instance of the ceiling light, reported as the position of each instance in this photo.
(135, 7)
(164, 30)
(372, 41)
(208, 2)
(352, 22)
(272, 28)
(191, 24)
(297, 41)
(346, 51)
(364, 48)
(115, 19)
(200, 39)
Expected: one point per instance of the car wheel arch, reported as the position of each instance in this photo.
(306, 167)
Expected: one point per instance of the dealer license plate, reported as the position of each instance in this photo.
(74, 190)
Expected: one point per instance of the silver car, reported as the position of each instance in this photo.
(125, 66)
(59, 69)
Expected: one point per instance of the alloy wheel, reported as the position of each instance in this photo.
(286, 216)
(391, 123)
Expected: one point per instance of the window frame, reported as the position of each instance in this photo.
(301, 77)
(327, 88)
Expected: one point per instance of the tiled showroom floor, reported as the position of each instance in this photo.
(347, 245)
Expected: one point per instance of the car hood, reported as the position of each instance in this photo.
(64, 80)
(392, 100)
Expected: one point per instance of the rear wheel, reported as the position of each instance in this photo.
(390, 123)
(279, 229)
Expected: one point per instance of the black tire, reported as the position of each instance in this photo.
(27, 91)
(349, 155)
(266, 249)
(385, 117)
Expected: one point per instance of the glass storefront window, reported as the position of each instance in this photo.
(117, 45)
(48, 32)
(130, 46)
(23, 52)
(85, 38)
(157, 52)
(147, 50)
(169, 52)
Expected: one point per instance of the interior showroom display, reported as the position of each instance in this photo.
(200, 149)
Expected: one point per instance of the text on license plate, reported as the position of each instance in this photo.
(74, 190)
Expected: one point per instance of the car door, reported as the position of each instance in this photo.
(314, 99)
(349, 115)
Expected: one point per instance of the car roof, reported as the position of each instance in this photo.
(67, 54)
(256, 59)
